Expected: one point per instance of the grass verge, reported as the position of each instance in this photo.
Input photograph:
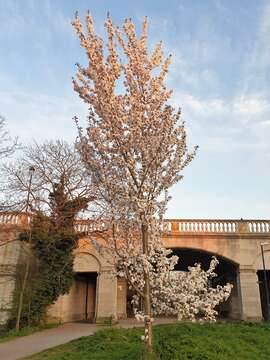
(185, 341)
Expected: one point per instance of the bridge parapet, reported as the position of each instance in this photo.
(202, 226)
(14, 218)
(88, 226)
(171, 226)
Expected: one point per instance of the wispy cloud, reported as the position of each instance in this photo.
(251, 106)
(36, 116)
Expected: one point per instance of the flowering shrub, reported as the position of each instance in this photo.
(186, 294)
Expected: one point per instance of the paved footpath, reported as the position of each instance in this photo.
(45, 339)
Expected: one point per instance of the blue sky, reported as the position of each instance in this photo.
(220, 76)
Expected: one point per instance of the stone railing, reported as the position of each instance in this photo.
(174, 226)
(13, 218)
(217, 226)
(88, 226)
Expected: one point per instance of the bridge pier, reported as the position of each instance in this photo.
(250, 294)
(106, 297)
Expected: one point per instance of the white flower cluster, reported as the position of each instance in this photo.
(185, 294)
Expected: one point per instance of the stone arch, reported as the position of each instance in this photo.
(228, 248)
(80, 303)
(227, 272)
(209, 253)
(86, 262)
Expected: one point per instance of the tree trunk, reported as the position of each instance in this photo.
(147, 297)
(26, 274)
(21, 298)
(24, 283)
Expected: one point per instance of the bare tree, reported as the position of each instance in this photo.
(7, 144)
(54, 162)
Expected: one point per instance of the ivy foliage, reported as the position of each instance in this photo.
(52, 247)
(53, 239)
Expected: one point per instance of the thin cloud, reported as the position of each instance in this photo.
(251, 105)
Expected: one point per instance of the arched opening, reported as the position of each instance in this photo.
(86, 268)
(227, 272)
(80, 303)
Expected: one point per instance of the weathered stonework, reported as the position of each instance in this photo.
(97, 295)
(11, 255)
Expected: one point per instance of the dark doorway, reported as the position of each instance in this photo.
(262, 287)
(86, 289)
(227, 272)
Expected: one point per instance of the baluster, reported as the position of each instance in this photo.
(255, 227)
(181, 226)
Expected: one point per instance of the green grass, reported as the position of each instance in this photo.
(184, 341)
(11, 334)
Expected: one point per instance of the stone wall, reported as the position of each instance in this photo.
(11, 255)
(236, 241)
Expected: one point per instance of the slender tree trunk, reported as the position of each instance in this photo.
(24, 283)
(20, 305)
(147, 297)
(26, 274)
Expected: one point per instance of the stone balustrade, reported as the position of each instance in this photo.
(197, 226)
(217, 226)
(87, 226)
(14, 218)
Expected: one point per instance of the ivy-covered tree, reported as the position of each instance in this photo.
(53, 240)
(58, 192)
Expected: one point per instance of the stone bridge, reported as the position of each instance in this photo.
(96, 294)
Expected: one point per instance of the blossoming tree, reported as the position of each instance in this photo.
(134, 148)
